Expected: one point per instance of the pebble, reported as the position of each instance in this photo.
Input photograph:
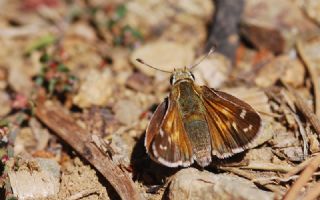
(95, 90)
(191, 183)
(164, 55)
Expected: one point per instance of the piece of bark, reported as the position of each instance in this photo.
(62, 123)
(272, 27)
(225, 28)
(191, 183)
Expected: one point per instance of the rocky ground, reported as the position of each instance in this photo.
(75, 103)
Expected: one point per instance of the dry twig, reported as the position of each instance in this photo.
(305, 110)
(313, 76)
(251, 177)
(56, 118)
(268, 167)
(83, 194)
(298, 168)
(305, 176)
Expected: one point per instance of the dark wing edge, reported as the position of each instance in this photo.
(166, 140)
(233, 124)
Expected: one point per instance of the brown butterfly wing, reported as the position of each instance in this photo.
(233, 123)
(166, 140)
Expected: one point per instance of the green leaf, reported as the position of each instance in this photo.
(121, 11)
(137, 34)
(39, 80)
(63, 68)
(67, 88)
(134, 32)
(4, 122)
(41, 43)
(45, 58)
(111, 23)
(72, 78)
(52, 84)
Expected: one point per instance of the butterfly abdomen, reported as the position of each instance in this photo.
(195, 125)
(198, 132)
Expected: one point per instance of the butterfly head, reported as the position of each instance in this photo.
(181, 74)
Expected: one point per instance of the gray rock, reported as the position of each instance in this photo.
(39, 181)
(193, 184)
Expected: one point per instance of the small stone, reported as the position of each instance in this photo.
(41, 134)
(96, 89)
(164, 55)
(314, 143)
(312, 8)
(100, 121)
(291, 71)
(294, 154)
(24, 142)
(294, 73)
(80, 54)
(310, 48)
(19, 80)
(262, 154)
(213, 71)
(43, 180)
(127, 112)
(274, 27)
(140, 82)
(284, 138)
(191, 183)
(82, 30)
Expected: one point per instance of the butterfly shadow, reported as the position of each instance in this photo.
(149, 172)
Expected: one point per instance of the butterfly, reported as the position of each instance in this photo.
(195, 123)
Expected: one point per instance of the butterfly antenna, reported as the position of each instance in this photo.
(204, 57)
(142, 62)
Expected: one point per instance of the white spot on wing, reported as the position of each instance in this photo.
(163, 147)
(243, 113)
(161, 132)
(249, 128)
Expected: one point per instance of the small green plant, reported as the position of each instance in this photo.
(54, 76)
(122, 34)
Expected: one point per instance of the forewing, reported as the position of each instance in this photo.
(233, 123)
(166, 139)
